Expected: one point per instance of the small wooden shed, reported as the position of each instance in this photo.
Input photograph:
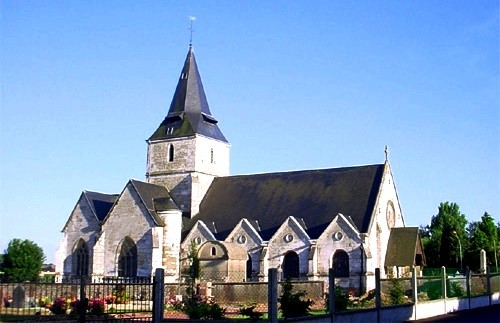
(404, 250)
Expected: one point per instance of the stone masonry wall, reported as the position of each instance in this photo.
(82, 224)
(129, 218)
(196, 161)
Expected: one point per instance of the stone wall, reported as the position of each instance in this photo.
(196, 161)
(129, 218)
(82, 224)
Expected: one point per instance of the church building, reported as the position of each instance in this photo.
(301, 222)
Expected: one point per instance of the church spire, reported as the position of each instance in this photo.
(189, 112)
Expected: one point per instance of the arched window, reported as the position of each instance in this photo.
(127, 258)
(340, 263)
(291, 265)
(249, 268)
(80, 259)
(170, 153)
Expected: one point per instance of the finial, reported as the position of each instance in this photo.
(191, 30)
(386, 151)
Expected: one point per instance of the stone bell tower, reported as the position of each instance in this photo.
(188, 150)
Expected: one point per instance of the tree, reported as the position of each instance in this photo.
(447, 240)
(482, 235)
(23, 261)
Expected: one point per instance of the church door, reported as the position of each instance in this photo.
(291, 265)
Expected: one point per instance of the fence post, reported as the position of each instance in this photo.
(488, 283)
(331, 292)
(82, 306)
(414, 288)
(467, 282)
(272, 295)
(443, 282)
(158, 294)
(378, 300)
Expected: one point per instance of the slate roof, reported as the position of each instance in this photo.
(189, 113)
(100, 203)
(403, 245)
(316, 196)
(149, 193)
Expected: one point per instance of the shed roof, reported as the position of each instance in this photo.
(403, 245)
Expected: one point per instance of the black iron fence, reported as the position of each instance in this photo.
(143, 298)
(80, 297)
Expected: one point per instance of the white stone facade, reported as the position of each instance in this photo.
(81, 225)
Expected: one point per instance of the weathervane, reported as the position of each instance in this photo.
(386, 151)
(191, 30)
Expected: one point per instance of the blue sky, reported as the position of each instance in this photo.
(294, 85)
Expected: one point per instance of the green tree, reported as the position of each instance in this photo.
(193, 272)
(482, 235)
(23, 261)
(447, 236)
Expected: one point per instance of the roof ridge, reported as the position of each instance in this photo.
(306, 170)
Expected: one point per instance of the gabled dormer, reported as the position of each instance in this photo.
(289, 248)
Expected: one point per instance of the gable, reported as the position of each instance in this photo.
(290, 228)
(199, 234)
(245, 234)
(339, 228)
(149, 195)
(92, 206)
(316, 196)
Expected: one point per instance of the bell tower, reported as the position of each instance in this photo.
(188, 150)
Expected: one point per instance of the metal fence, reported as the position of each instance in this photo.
(97, 299)
(138, 298)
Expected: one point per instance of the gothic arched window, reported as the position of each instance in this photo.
(340, 263)
(291, 265)
(170, 153)
(127, 258)
(80, 259)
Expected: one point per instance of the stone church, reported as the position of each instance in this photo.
(301, 222)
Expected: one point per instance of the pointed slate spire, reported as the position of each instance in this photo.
(189, 113)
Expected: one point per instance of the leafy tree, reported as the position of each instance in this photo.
(23, 261)
(447, 235)
(482, 235)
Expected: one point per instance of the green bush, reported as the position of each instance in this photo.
(396, 292)
(341, 300)
(250, 312)
(292, 304)
(455, 289)
(433, 289)
(199, 308)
